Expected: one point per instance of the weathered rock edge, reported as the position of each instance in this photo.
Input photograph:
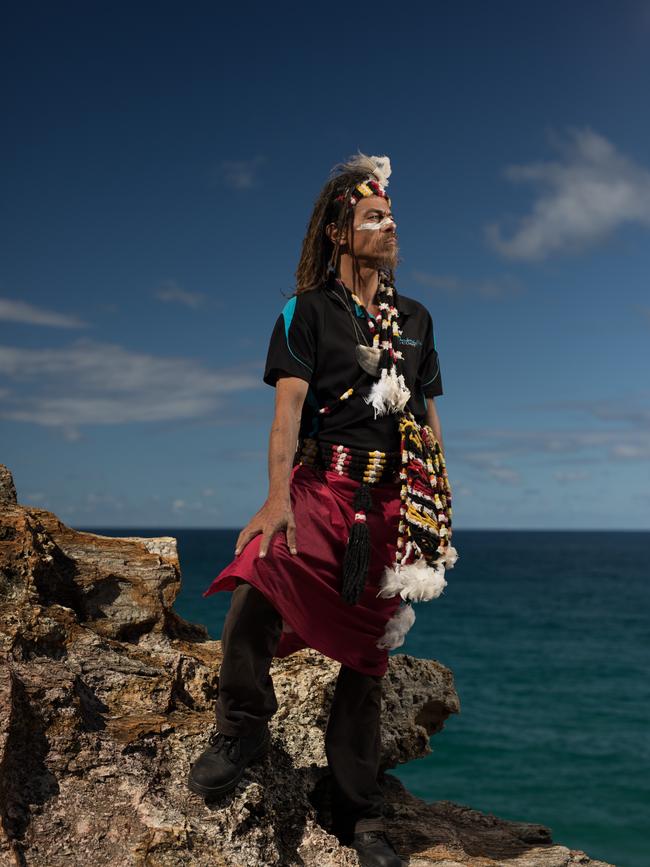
(107, 695)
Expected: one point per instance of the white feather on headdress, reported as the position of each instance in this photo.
(382, 169)
(377, 166)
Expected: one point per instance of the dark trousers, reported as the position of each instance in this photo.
(247, 700)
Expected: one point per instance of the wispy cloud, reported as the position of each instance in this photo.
(172, 293)
(101, 383)
(493, 287)
(629, 411)
(632, 451)
(612, 432)
(240, 174)
(94, 501)
(586, 445)
(584, 196)
(12, 310)
(493, 468)
(565, 477)
(199, 506)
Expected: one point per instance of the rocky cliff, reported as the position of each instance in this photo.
(107, 695)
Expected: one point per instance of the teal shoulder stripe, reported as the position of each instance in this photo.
(287, 315)
(287, 312)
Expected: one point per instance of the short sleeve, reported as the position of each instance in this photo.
(429, 371)
(292, 348)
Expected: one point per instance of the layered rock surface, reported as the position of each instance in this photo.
(107, 696)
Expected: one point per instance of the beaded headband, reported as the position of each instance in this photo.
(374, 185)
(369, 187)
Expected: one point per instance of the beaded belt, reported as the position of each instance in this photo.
(424, 530)
(371, 467)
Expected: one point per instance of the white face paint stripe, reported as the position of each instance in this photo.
(374, 227)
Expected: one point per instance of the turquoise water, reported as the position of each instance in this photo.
(547, 635)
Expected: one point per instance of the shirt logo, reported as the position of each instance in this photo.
(410, 341)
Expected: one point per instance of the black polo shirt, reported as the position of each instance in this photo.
(314, 339)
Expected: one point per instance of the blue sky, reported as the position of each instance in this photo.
(159, 164)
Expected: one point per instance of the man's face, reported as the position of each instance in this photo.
(372, 239)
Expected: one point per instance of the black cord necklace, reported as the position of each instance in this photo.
(368, 356)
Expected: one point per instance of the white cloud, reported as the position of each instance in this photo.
(19, 311)
(493, 468)
(566, 476)
(592, 446)
(632, 451)
(102, 383)
(617, 432)
(492, 287)
(608, 410)
(173, 293)
(240, 174)
(180, 506)
(95, 501)
(583, 197)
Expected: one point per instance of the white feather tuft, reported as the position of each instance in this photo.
(448, 556)
(377, 167)
(382, 169)
(397, 627)
(389, 394)
(391, 583)
(417, 581)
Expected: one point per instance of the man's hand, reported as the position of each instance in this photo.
(273, 516)
(276, 513)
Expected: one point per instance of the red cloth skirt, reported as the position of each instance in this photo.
(304, 588)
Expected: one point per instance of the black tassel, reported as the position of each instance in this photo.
(357, 553)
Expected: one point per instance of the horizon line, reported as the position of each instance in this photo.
(456, 529)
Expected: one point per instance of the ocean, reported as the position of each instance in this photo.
(548, 637)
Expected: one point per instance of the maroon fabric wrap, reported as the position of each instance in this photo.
(305, 587)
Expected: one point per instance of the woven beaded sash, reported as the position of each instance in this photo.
(371, 467)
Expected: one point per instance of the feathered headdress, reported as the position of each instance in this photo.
(377, 166)
(378, 171)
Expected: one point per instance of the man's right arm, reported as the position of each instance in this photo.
(276, 513)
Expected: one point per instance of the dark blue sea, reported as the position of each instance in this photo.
(548, 638)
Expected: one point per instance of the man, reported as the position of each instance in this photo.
(342, 539)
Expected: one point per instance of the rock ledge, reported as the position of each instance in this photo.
(107, 696)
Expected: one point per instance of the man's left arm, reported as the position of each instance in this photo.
(434, 422)
(430, 379)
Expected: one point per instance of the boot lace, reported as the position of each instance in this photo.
(229, 743)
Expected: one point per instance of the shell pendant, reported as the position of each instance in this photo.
(368, 358)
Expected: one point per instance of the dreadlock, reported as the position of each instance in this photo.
(319, 255)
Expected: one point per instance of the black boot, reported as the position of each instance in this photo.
(375, 850)
(221, 766)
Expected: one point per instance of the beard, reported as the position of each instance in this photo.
(387, 255)
(384, 255)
